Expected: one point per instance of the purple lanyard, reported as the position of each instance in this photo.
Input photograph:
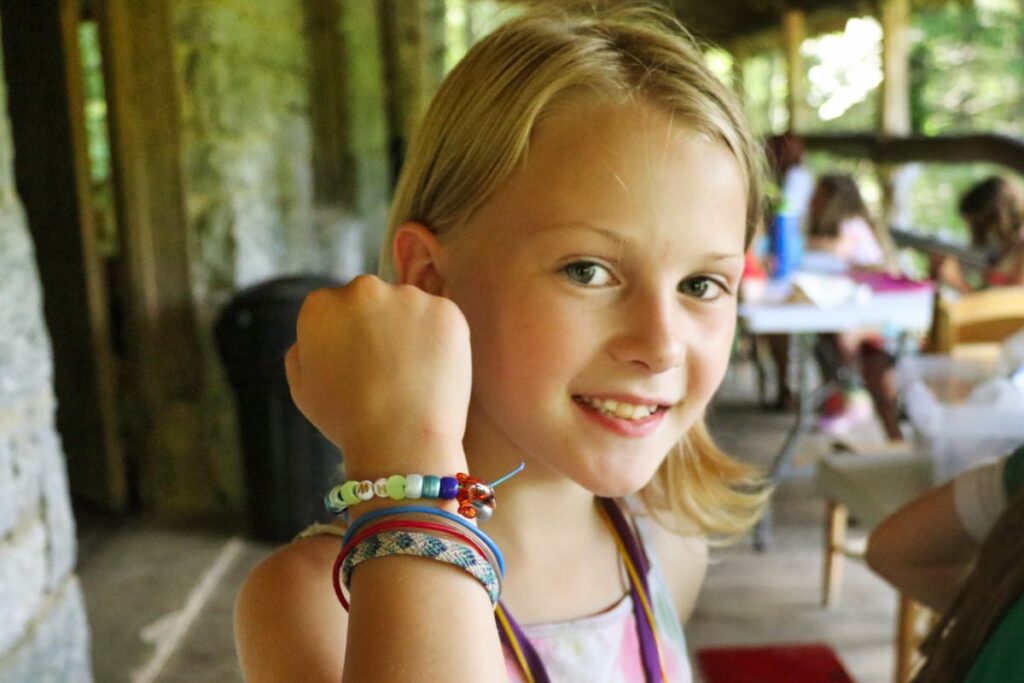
(645, 629)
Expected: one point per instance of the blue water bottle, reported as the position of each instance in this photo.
(786, 243)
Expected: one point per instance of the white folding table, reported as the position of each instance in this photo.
(898, 310)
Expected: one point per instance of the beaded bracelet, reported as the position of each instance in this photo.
(394, 538)
(475, 496)
(434, 513)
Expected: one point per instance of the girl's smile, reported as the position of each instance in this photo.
(600, 294)
(624, 417)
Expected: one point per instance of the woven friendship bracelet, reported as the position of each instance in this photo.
(387, 543)
(475, 496)
(484, 550)
(415, 512)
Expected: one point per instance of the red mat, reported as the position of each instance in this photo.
(803, 663)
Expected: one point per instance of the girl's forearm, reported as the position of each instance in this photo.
(418, 620)
(935, 586)
(923, 548)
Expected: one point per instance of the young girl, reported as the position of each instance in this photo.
(839, 222)
(993, 210)
(566, 244)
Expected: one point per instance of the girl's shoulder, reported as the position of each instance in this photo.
(288, 624)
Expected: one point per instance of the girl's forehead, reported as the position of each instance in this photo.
(610, 127)
(628, 167)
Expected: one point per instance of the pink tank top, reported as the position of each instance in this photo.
(604, 648)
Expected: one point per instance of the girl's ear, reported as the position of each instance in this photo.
(419, 258)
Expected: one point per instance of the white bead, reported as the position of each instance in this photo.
(364, 490)
(413, 485)
(335, 502)
(380, 487)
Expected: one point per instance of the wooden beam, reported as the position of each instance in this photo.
(794, 30)
(45, 97)
(986, 148)
(165, 358)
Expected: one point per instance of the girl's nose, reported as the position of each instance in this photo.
(652, 337)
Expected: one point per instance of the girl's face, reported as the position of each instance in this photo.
(599, 284)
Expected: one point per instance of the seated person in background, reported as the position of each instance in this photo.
(994, 212)
(959, 549)
(794, 181)
(794, 185)
(839, 223)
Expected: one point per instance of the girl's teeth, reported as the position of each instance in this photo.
(623, 411)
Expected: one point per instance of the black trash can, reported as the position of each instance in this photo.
(288, 464)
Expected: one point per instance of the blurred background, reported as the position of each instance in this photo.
(176, 174)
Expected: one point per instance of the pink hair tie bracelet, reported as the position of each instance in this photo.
(475, 496)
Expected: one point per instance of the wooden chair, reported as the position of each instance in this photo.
(870, 487)
(974, 324)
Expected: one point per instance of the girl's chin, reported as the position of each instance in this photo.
(617, 485)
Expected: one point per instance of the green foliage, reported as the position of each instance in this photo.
(968, 68)
(764, 90)
(95, 101)
(967, 76)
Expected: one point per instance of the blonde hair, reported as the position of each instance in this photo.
(477, 132)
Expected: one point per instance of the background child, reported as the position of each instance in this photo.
(839, 223)
(572, 220)
(993, 210)
(960, 550)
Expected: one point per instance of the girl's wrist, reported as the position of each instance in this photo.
(441, 458)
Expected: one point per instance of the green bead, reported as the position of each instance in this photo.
(431, 486)
(396, 487)
(348, 492)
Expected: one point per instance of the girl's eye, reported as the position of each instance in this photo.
(588, 273)
(702, 288)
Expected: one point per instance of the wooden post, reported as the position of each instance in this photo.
(895, 106)
(409, 43)
(45, 97)
(794, 30)
(906, 640)
(347, 97)
(894, 112)
(329, 114)
(836, 518)
(165, 358)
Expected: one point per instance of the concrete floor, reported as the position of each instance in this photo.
(160, 599)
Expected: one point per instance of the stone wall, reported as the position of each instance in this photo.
(43, 630)
(245, 74)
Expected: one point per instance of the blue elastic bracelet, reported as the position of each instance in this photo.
(422, 509)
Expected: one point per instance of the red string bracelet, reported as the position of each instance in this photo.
(383, 526)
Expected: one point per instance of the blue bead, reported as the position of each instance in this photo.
(431, 486)
(449, 487)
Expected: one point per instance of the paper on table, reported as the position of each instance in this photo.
(826, 291)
